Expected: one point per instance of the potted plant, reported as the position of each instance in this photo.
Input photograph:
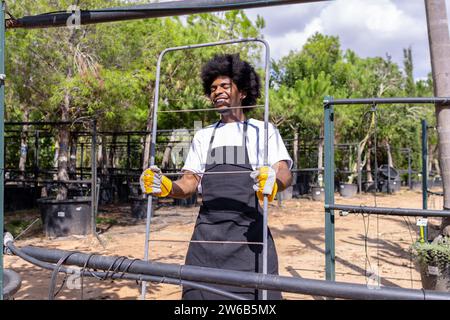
(433, 262)
(348, 189)
(317, 190)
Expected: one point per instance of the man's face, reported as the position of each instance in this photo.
(225, 94)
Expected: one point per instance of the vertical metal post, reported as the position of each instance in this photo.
(81, 160)
(2, 134)
(266, 161)
(424, 231)
(359, 169)
(128, 157)
(388, 190)
(36, 155)
(409, 169)
(329, 189)
(94, 176)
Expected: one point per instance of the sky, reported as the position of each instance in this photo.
(368, 27)
(371, 28)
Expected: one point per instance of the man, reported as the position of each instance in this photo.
(229, 228)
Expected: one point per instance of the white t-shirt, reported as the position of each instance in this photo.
(230, 134)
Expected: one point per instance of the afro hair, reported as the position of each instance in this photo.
(241, 72)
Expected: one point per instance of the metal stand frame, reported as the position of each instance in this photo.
(266, 138)
(329, 104)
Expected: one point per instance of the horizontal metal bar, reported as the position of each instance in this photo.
(389, 211)
(186, 173)
(128, 276)
(436, 193)
(375, 101)
(234, 278)
(209, 109)
(153, 10)
(206, 241)
(50, 181)
(43, 123)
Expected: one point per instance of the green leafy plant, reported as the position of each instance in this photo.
(436, 253)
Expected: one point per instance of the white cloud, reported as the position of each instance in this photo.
(368, 27)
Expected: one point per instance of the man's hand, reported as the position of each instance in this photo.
(153, 182)
(265, 182)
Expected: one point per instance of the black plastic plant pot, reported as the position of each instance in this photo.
(434, 278)
(123, 192)
(318, 193)
(286, 194)
(11, 283)
(62, 218)
(394, 185)
(138, 207)
(416, 185)
(348, 190)
(21, 197)
(106, 194)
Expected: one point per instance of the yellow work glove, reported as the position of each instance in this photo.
(153, 182)
(265, 182)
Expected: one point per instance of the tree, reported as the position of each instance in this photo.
(439, 40)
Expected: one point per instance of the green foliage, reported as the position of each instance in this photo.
(303, 78)
(435, 254)
(109, 72)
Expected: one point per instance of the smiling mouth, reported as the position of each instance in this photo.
(221, 102)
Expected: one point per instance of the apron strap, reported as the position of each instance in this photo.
(213, 135)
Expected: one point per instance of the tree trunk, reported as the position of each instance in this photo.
(368, 162)
(73, 156)
(389, 154)
(320, 157)
(24, 145)
(439, 40)
(110, 160)
(148, 137)
(102, 155)
(295, 153)
(165, 164)
(63, 140)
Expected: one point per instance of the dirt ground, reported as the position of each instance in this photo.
(297, 227)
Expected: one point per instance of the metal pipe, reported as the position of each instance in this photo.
(123, 275)
(153, 10)
(205, 109)
(329, 189)
(375, 101)
(359, 169)
(409, 169)
(234, 278)
(424, 230)
(154, 132)
(389, 211)
(36, 154)
(2, 135)
(266, 158)
(82, 161)
(94, 175)
(50, 181)
(40, 123)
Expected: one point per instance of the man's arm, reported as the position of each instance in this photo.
(185, 187)
(284, 175)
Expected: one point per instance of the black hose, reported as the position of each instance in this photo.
(104, 275)
(245, 279)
